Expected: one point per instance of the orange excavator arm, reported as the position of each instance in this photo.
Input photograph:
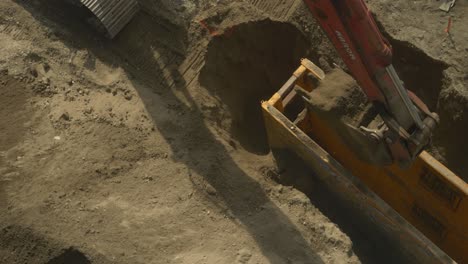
(367, 54)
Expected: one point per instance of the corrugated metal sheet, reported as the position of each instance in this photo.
(113, 14)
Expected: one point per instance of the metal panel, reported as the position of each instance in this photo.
(113, 14)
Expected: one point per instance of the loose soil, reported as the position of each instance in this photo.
(150, 148)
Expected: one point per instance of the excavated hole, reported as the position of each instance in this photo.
(425, 76)
(70, 256)
(421, 74)
(248, 65)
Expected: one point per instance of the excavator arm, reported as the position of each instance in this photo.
(368, 55)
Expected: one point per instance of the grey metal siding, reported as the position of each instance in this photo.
(113, 14)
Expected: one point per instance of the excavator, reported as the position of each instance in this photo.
(363, 136)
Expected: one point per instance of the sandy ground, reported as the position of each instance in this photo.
(149, 148)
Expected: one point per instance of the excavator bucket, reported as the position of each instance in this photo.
(423, 209)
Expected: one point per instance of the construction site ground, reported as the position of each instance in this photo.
(150, 148)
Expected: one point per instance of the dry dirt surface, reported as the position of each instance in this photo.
(150, 148)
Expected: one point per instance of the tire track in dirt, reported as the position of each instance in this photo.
(278, 9)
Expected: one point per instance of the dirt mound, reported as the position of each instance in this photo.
(246, 65)
(122, 147)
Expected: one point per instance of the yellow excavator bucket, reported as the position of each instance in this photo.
(423, 208)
